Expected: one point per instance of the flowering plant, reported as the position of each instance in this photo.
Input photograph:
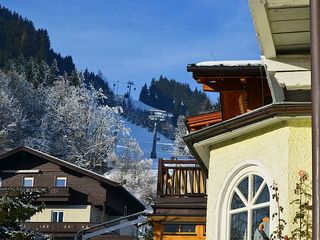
(302, 220)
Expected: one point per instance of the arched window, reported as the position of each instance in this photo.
(248, 210)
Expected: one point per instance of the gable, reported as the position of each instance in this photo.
(84, 187)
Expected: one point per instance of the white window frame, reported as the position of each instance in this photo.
(55, 181)
(58, 213)
(226, 194)
(28, 178)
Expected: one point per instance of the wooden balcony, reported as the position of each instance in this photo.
(57, 227)
(54, 193)
(61, 194)
(181, 190)
(68, 230)
(180, 178)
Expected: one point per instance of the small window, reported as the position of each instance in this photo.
(57, 216)
(61, 182)
(179, 229)
(28, 181)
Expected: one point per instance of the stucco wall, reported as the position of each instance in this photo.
(300, 157)
(76, 213)
(283, 149)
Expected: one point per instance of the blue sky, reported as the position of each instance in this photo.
(137, 40)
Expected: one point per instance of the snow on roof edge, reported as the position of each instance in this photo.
(233, 63)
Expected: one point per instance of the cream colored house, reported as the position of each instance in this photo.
(255, 146)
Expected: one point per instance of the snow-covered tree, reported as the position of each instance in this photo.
(134, 172)
(180, 148)
(137, 177)
(78, 128)
(17, 206)
(11, 115)
(70, 121)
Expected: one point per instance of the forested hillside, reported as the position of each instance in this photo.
(174, 97)
(20, 42)
(46, 104)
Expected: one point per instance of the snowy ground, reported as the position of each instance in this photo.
(141, 106)
(144, 138)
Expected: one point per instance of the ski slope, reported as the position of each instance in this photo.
(144, 138)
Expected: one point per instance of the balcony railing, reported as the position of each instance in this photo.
(58, 192)
(180, 178)
(53, 194)
(57, 227)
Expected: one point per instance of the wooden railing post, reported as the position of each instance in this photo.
(160, 178)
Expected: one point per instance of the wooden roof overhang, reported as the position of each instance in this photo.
(220, 78)
(267, 112)
(282, 26)
(242, 85)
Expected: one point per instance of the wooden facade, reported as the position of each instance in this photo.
(101, 199)
(180, 206)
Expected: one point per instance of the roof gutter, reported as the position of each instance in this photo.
(285, 109)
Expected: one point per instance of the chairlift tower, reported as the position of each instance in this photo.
(129, 86)
(155, 116)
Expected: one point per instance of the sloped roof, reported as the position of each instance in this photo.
(71, 166)
(203, 120)
(60, 163)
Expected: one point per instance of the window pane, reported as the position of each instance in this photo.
(60, 217)
(54, 216)
(236, 202)
(239, 226)
(179, 228)
(243, 187)
(171, 228)
(260, 217)
(28, 182)
(61, 182)
(188, 228)
(256, 184)
(264, 196)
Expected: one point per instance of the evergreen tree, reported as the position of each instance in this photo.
(174, 97)
(144, 94)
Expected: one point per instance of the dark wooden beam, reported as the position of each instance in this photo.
(225, 78)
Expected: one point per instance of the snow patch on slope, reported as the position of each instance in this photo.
(145, 138)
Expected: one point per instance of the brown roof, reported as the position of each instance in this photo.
(71, 166)
(203, 120)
